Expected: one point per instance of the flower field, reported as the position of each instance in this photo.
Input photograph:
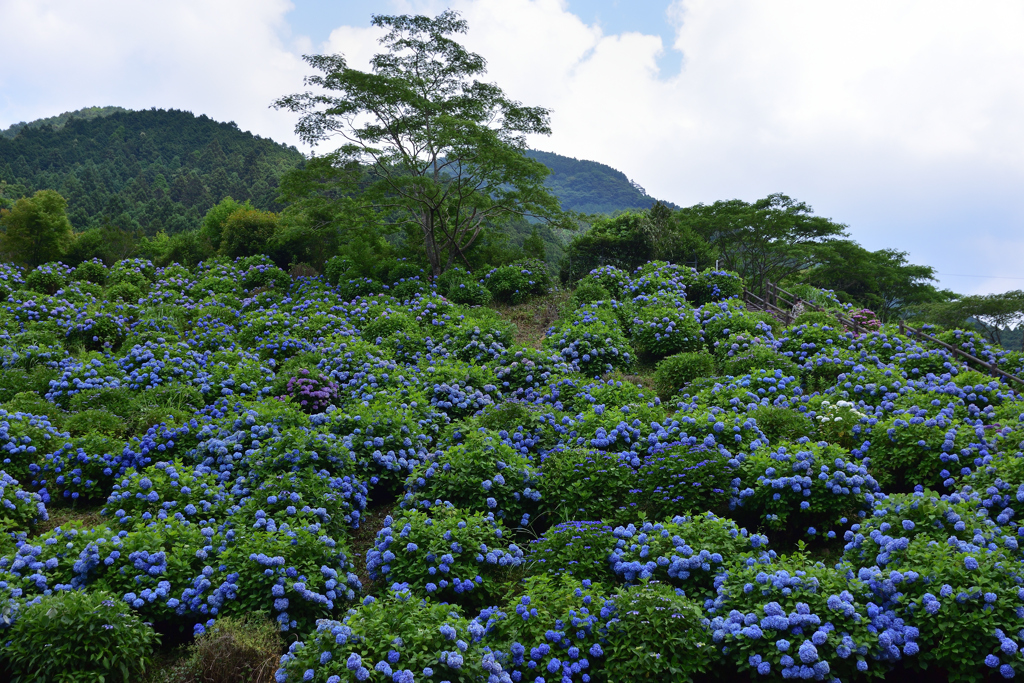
(762, 502)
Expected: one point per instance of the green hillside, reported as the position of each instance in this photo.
(590, 186)
(146, 171)
(142, 171)
(59, 121)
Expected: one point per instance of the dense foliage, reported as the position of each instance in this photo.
(143, 171)
(537, 516)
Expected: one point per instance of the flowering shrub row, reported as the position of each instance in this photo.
(544, 520)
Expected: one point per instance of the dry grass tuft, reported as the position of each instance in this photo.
(533, 318)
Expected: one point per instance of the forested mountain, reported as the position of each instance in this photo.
(147, 171)
(142, 171)
(591, 187)
(59, 121)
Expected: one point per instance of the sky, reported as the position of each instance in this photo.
(902, 120)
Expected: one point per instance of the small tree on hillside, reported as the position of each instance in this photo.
(36, 228)
(438, 149)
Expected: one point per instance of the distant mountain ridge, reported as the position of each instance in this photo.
(590, 186)
(153, 170)
(60, 121)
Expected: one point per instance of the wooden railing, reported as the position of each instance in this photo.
(774, 295)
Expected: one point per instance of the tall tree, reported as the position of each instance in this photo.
(768, 240)
(444, 152)
(882, 280)
(994, 313)
(36, 228)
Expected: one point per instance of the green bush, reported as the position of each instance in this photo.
(778, 491)
(445, 554)
(660, 331)
(675, 372)
(781, 424)
(575, 548)
(127, 292)
(99, 421)
(77, 636)
(588, 291)
(14, 381)
(593, 345)
(90, 271)
(684, 480)
(31, 402)
(46, 279)
(758, 357)
(459, 286)
(518, 282)
(658, 634)
(579, 484)
(19, 509)
(481, 475)
(423, 634)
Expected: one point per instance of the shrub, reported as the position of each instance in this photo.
(804, 487)
(715, 285)
(312, 393)
(459, 286)
(614, 280)
(918, 446)
(776, 619)
(553, 627)
(444, 554)
(127, 292)
(90, 634)
(657, 634)
(99, 421)
(31, 402)
(578, 548)
(866, 318)
(688, 552)
(675, 372)
(518, 282)
(19, 509)
(90, 271)
(840, 423)
(587, 292)
(396, 637)
(47, 278)
(660, 331)
(482, 475)
(593, 345)
(245, 649)
(581, 484)
(676, 480)
(778, 423)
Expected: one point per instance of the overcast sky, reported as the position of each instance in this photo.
(903, 120)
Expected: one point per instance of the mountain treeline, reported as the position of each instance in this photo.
(591, 187)
(141, 172)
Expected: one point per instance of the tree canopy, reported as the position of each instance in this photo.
(36, 229)
(767, 240)
(430, 146)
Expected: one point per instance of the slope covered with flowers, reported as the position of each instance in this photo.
(548, 522)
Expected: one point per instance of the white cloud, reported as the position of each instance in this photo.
(223, 58)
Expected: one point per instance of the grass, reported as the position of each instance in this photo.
(88, 515)
(533, 318)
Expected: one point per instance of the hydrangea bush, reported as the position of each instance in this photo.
(520, 513)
